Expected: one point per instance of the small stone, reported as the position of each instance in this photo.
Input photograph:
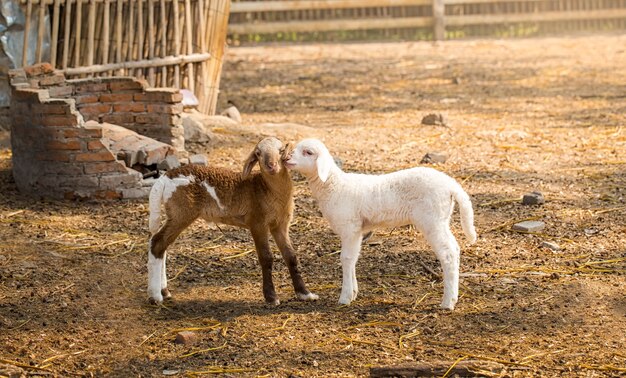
(434, 120)
(199, 159)
(555, 276)
(456, 80)
(170, 162)
(434, 158)
(186, 338)
(533, 198)
(315, 363)
(233, 113)
(551, 245)
(529, 226)
(170, 372)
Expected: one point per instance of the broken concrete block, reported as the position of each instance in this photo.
(434, 158)
(186, 338)
(198, 126)
(434, 120)
(533, 198)
(148, 182)
(198, 159)
(233, 113)
(550, 245)
(529, 226)
(169, 163)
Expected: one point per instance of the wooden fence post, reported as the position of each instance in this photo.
(439, 10)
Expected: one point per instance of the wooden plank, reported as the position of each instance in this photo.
(535, 17)
(56, 15)
(41, 29)
(439, 10)
(29, 12)
(329, 25)
(146, 63)
(293, 5)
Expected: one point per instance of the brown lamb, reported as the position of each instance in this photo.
(261, 201)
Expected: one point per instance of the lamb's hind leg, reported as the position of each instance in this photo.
(157, 276)
(350, 249)
(448, 253)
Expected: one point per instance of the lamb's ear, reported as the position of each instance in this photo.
(324, 163)
(249, 164)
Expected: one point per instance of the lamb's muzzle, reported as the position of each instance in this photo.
(261, 202)
(355, 204)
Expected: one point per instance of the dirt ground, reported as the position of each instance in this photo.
(523, 115)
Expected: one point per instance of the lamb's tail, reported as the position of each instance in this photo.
(156, 198)
(467, 213)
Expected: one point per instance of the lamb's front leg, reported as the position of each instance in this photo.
(350, 249)
(261, 242)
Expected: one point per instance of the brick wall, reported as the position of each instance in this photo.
(55, 153)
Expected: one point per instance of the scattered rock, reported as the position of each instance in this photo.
(186, 338)
(189, 99)
(533, 198)
(434, 120)
(132, 147)
(456, 80)
(529, 226)
(434, 158)
(199, 126)
(170, 372)
(233, 113)
(169, 163)
(551, 245)
(198, 159)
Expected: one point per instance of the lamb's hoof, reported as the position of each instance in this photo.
(344, 301)
(273, 302)
(165, 292)
(308, 296)
(449, 305)
(155, 301)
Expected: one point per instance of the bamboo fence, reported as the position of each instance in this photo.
(170, 43)
(267, 20)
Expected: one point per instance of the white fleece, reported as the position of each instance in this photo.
(354, 204)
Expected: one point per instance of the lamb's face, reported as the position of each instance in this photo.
(269, 153)
(311, 158)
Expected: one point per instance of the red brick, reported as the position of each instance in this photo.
(95, 145)
(95, 156)
(86, 99)
(39, 69)
(125, 85)
(92, 130)
(62, 91)
(53, 156)
(63, 145)
(73, 132)
(95, 108)
(54, 108)
(26, 94)
(161, 96)
(84, 88)
(167, 109)
(119, 118)
(149, 118)
(59, 120)
(108, 167)
(116, 97)
(130, 107)
(56, 79)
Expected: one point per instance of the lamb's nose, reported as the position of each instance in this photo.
(272, 165)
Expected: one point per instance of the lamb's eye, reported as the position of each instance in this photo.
(307, 152)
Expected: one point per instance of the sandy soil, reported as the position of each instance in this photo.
(522, 115)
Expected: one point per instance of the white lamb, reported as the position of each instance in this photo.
(355, 204)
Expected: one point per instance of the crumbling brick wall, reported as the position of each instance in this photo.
(56, 153)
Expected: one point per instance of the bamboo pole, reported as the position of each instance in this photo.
(131, 31)
(29, 12)
(55, 32)
(118, 34)
(151, 78)
(176, 42)
(140, 36)
(41, 28)
(163, 43)
(66, 33)
(91, 32)
(188, 21)
(439, 10)
(106, 36)
(77, 30)
(203, 89)
(146, 63)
